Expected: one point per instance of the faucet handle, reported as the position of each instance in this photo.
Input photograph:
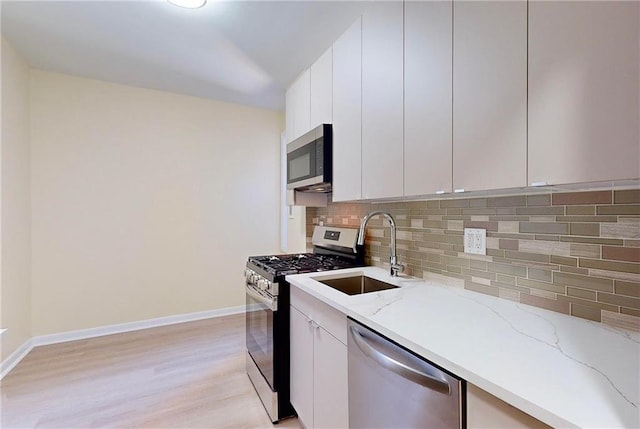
(395, 266)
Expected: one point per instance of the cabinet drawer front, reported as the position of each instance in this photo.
(324, 315)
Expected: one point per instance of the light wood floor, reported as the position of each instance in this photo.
(179, 376)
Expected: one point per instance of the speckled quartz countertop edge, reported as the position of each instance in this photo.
(562, 370)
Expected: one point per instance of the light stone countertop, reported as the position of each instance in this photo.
(562, 370)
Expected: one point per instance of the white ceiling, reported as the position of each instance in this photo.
(238, 51)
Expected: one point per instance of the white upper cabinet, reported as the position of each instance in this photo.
(321, 90)
(584, 94)
(382, 100)
(489, 94)
(427, 97)
(302, 104)
(347, 114)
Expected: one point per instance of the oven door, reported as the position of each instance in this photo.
(260, 313)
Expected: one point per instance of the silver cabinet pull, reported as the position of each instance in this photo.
(413, 374)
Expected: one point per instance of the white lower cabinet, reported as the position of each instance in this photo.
(319, 386)
(485, 411)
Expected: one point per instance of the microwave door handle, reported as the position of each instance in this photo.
(272, 304)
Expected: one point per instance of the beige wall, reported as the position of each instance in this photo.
(15, 253)
(144, 204)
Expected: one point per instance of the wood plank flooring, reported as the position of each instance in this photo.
(190, 375)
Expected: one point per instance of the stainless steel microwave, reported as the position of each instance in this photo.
(309, 160)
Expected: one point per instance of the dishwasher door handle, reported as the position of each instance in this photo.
(413, 374)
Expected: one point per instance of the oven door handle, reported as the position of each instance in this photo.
(271, 303)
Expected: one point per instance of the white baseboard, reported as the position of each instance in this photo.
(9, 363)
(81, 334)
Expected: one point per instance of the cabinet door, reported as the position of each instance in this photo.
(301, 366)
(382, 100)
(288, 112)
(330, 389)
(584, 94)
(347, 114)
(302, 104)
(489, 94)
(321, 89)
(485, 411)
(428, 97)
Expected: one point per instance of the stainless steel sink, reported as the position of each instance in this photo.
(355, 285)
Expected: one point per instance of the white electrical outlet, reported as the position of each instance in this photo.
(475, 241)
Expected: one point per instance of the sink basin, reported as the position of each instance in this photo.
(355, 285)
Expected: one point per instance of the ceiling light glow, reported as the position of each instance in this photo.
(191, 4)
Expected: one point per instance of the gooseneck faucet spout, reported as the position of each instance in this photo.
(393, 259)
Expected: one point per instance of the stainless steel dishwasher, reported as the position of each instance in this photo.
(390, 387)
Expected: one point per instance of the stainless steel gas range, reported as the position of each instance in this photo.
(267, 311)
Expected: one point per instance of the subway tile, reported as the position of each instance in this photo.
(577, 198)
(479, 274)
(585, 229)
(513, 270)
(477, 287)
(587, 303)
(502, 278)
(544, 294)
(627, 288)
(631, 243)
(511, 201)
(478, 202)
(548, 247)
(479, 211)
(574, 270)
(623, 321)
(433, 204)
(623, 301)
(547, 237)
(583, 282)
(586, 218)
(477, 218)
(539, 200)
(584, 250)
(544, 228)
(630, 311)
(454, 203)
(614, 275)
(538, 274)
(584, 312)
(625, 230)
(454, 269)
(580, 210)
(527, 256)
(582, 293)
(549, 304)
(506, 211)
(417, 223)
(508, 244)
(542, 218)
(489, 226)
(630, 209)
(460, 262)
(537, 211)
(509, 227)
(588, 240)
(629, 254)
(481, 280)
(629, 196)
(495, 252)
(510, 286)
(508, 235)
(509, 294)
(501, 218)
(477, 265)
(533, 284)
(626, 267)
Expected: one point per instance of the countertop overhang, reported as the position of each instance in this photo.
(562, 370)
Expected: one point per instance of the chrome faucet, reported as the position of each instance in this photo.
(395, 266)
